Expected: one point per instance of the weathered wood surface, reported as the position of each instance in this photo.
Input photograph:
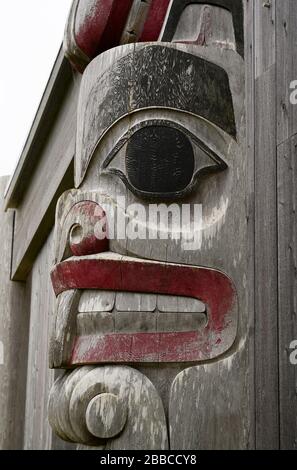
(266, 296)
(118, 273)
(178, 7)
(155, 20)
(264, 20)
(250, 203)
(234, 366)
(214, 28)
(34, 150)
(59, 80)
(286, 37)
(266, 307)
(108, 97)
(35, 214)
(38, 434)
(209, 406)
(225, 405)
(287, 287)
(135, 21)
(95, 26)
(39, 378)
(110, 408)
(63, 328)
(14, 322)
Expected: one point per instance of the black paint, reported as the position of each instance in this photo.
(160, 160)
(161, 77)
(234, 6)
(139, 177)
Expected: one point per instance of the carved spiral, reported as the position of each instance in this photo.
(92, 405)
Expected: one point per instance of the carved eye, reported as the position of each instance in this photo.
(161, 160)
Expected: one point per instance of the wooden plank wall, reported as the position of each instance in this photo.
(14, 321)
(266, 318)
(287, 280)
(35, 213)
(39, 377)
(271, 40)
(286, 33)
(250, 135)
(45, 169)
(275, 124)
(38, 433)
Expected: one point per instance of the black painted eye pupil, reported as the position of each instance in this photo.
(160, 159)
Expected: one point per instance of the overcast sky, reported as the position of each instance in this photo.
(30, 36)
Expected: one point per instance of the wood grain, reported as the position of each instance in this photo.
(106, 416)
(266, 297)
(35, 214)
(214, 251)
(134, 417)
(38, 434)
(250, 203)
(287, 285)
(265, 36)
(117, 273)
(236, 8)
(212, 403)
(94, 301)
(135, 21)
(14, 325)
(57, 86)
(286, 36)
(209, 401)
(111, 90)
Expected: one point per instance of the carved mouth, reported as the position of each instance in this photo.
(124, 312)
(133, 310)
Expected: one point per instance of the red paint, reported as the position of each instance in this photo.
(103, 29)
(155, 20)
(212, 287)
(141, 347)
(91, 217)
(206, 28)
(205, 34)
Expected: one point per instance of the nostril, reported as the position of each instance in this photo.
(76, 235)
(89, 234)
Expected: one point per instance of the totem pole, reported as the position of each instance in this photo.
(151, 320)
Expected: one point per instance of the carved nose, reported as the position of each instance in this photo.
(89, 234)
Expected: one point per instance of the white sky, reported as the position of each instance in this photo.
(30, 36)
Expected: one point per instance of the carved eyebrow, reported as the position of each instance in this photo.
(156, 77)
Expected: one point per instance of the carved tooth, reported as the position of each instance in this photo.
(170, 322)
(129, 322)
(104, 301)
(133, 302)
(95, 322)
(174, 304)
(96, 301)
(138, 322)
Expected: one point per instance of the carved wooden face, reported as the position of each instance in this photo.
(145, 272)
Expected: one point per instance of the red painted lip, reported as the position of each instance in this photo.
(109, 271)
